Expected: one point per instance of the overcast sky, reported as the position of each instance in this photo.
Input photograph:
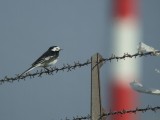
(81, 28)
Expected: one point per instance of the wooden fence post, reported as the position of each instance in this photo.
(96, 108)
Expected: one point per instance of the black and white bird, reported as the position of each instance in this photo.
(49, 58)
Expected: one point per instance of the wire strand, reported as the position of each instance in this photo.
(121, 112)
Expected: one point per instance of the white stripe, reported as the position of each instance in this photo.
(126, 36)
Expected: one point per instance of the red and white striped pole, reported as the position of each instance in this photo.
(126, 36)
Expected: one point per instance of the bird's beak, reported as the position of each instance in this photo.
(61, 49)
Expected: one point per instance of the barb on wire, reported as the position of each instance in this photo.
(88, 117)
(69, 67)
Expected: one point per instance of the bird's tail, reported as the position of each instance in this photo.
(29, 69)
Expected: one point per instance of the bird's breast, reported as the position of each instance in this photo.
(53, 62)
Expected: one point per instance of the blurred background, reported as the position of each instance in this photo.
(81, 28)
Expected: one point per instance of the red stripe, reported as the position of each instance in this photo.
(125, 8)
(122, 98)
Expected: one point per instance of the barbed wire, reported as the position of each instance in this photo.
(121, 112)
(49, 71)
(70, 67)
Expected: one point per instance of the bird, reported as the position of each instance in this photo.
(50, 57)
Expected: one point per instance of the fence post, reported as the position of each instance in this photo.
(96, 109)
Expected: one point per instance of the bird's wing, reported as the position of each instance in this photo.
(45, 57)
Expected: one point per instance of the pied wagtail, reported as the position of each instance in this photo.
(50, 57)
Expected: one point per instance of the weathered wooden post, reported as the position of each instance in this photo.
(96, 108)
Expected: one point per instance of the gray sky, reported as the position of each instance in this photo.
(81, 28)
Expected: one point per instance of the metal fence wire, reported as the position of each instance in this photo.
(122, 112)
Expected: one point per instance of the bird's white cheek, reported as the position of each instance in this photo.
(55, 49)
